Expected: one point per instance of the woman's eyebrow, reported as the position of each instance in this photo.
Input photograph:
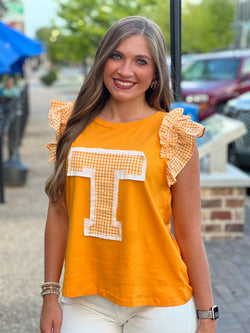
(144, 56)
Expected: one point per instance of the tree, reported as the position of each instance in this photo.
(207, 26)
(160, 13)
(85, 23)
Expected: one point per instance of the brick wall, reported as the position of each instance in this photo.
(223, 212)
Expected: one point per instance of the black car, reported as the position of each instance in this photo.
(239, 151)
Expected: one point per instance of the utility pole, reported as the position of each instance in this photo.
(175, 32)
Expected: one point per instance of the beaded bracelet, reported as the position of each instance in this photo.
(50, 292)
(48, 284)
(50, 288)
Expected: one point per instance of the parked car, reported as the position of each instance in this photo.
(214, 78)
(239, 151)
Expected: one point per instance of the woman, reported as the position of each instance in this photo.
(129, 165)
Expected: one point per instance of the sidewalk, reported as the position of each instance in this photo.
(22, 220)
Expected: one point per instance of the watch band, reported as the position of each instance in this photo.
(213, 313)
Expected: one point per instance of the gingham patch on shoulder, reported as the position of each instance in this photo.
(177, 138)
(105, 167)
(59, 114)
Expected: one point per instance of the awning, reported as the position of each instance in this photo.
(15, 45)
(7, 56)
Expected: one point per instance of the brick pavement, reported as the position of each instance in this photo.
(230, 271)
(22, 220)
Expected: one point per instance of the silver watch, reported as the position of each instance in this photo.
(213, 313)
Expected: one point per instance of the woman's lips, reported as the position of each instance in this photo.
(123, 84)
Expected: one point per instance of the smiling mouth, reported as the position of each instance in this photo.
(123, 83)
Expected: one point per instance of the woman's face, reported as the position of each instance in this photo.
(130, 70)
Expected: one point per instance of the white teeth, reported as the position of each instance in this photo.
(125, 84)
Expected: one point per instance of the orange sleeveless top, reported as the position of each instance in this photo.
(118, 194)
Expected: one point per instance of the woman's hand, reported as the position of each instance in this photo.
(51, 314)
(207, 326)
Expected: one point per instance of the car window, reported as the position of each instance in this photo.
(211, 69)
(246, 67)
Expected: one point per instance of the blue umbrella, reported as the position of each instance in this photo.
(7, 56)
(20, 44)
(15, 47)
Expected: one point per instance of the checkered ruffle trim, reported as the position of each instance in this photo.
(59, 114)
(177, 137)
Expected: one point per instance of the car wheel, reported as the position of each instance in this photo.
(220, 107)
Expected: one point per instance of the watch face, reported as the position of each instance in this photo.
(216, 312)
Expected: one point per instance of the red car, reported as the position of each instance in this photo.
(214, 78)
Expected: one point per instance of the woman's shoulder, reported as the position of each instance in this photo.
(177, 135)
(59, 114)
(176, 121)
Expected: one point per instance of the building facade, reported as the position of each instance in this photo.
(242, 24)
(14, 16)
(3, 9)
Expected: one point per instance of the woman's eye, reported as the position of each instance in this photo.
(115, 56)
(142, 62)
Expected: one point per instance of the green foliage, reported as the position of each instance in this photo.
(49, 78)
(86, 22)
(161, 15)
(205, 26)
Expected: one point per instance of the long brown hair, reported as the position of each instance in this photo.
(93, 94)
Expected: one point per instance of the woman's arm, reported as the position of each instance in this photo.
(56, 233)
(187, 228)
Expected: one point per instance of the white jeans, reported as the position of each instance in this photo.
(95, 314)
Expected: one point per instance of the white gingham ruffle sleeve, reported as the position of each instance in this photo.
(177, 138)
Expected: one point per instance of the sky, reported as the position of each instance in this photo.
(37, 14)
(40, 13)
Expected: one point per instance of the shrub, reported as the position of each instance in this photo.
(49, 78)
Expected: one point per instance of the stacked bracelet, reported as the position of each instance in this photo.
(50, 288)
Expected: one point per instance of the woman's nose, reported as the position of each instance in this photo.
(125, 68)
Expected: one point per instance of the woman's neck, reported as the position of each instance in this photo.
(125, 112)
